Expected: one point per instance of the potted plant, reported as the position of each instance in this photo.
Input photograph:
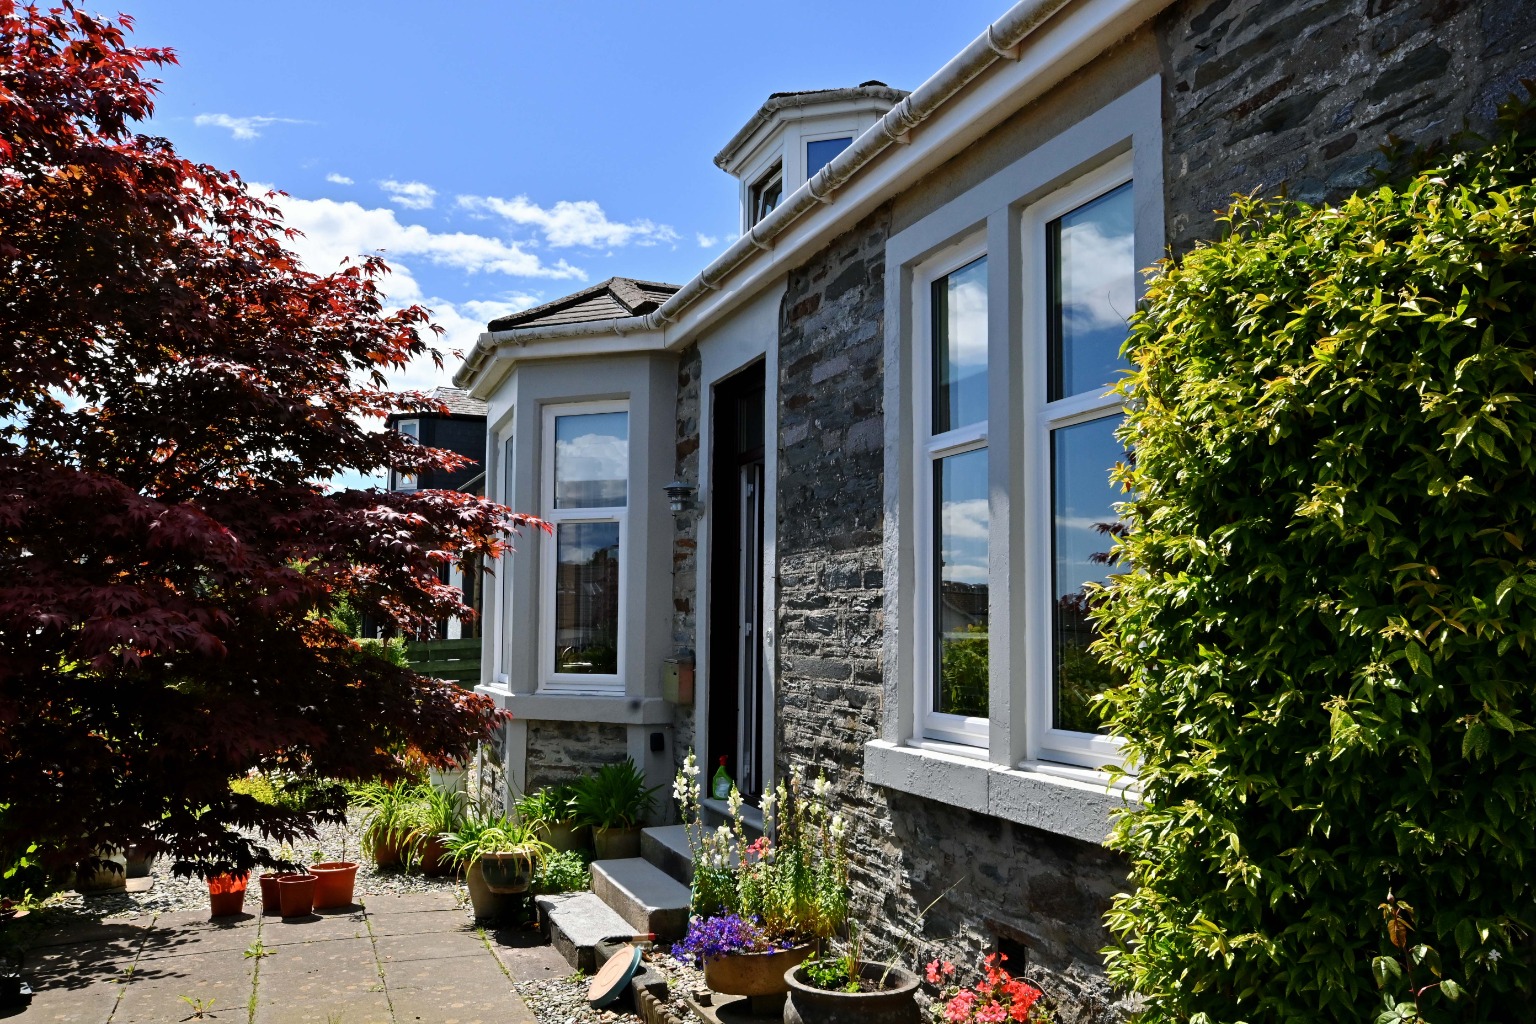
(614, 801)
(334, 882)
(844, 989)
(106, 870)
(499, 857)
(440, 812)
(740, 958)
(226, 893)
(394, 812)
(551, 808)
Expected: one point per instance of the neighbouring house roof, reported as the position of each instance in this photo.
(804, 98)
(615, 297)
(459, 402)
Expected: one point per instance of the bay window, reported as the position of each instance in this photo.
(586, 460)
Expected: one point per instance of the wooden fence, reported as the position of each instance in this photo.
(458, 660)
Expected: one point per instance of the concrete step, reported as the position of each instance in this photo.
(666, 846)
(644, 895)
(577, 922)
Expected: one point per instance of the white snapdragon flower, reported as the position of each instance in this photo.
(691, 764)
(680, 791)
(821, 787)
(768, 802)
(734, 802)
(839, 826)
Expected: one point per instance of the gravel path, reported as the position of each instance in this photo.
(564, 1000)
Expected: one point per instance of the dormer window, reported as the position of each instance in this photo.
(412, 430)
(767, 193)
(819, 153)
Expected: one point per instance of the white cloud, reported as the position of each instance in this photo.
(571, 223)
(413, 195)
(706, 241)
(333, 231)
(339, 179)
(1100, 277)
(241, 127)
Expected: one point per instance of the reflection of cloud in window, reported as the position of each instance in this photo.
(1106, 260)
(582, 554)
(594, 459)
(968, 320)
(968, 519)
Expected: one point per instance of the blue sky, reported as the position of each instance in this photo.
(503, 154)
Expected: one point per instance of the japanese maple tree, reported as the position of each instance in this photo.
(173, 386)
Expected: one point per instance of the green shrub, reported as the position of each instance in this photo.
(1329, 635)
(565, 871)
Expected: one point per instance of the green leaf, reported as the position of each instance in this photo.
(1418, 660)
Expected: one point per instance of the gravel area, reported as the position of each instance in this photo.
(171, 894)
(564, 1000)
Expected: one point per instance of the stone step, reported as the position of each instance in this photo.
(577, 922)
(644, 895)
(666, 846)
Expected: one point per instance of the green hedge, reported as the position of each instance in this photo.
(1330, 630)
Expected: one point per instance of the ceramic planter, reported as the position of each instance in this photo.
(894, 1004)
(226, 894)
(105, 879)
(567, 835)
(333, 883)
(270, 905)
(296, 895)
(486, 904)
(507, 873)
(756, 975)
(137, 862)
(616, 843)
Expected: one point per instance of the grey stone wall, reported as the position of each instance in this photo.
(685, 546)
(1260, 93)
(1042, 895)
(562, 751)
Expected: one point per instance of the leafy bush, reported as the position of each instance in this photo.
(1329, 634)
(614, 796)
(565, 871)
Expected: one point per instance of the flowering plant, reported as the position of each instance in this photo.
(710, 938)
(793, 879)
(997, 997)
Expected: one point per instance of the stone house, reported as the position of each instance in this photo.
(888, 397)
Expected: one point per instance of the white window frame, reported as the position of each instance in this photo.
(928, 449)
(506, 466)
(1040, 418)
(572, 682)
(406, 481)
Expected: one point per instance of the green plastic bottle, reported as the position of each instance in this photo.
(720, 787)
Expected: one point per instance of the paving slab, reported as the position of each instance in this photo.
(73, 931)
(449, 979)
(184, 934)
(218, 981)
(283, 931)
(93, 1005)
(409, 903)
(335, 980)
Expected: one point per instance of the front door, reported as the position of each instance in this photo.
(738, 717)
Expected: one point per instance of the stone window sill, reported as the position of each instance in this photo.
(615, 709)
(1040, 797)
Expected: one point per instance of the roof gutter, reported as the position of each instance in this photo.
(1002, 40)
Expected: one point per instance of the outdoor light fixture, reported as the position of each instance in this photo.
(680, 495)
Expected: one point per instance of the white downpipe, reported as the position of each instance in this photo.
(1001, 40)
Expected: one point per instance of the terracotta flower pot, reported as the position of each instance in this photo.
(616, 843)
(270, 904)
(386, 852)
(226, 893)
(507, 873)
(296, 895)
(434, 858)
(334, 882)
(894, 1004)
(754, 974)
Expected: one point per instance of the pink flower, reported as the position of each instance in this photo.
(958, 1009)
(931, 972)
(992, 1013)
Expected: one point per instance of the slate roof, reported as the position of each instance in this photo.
(615, 297)
(458, 402)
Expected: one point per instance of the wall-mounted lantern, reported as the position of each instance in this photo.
(680, 496)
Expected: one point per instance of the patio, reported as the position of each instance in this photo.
(391, 958)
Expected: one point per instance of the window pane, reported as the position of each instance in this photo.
(963, 574)
(960, 348)
(592, 460)
(587, 598)
(1092, 271)
(820, 153)
(1083, 527)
